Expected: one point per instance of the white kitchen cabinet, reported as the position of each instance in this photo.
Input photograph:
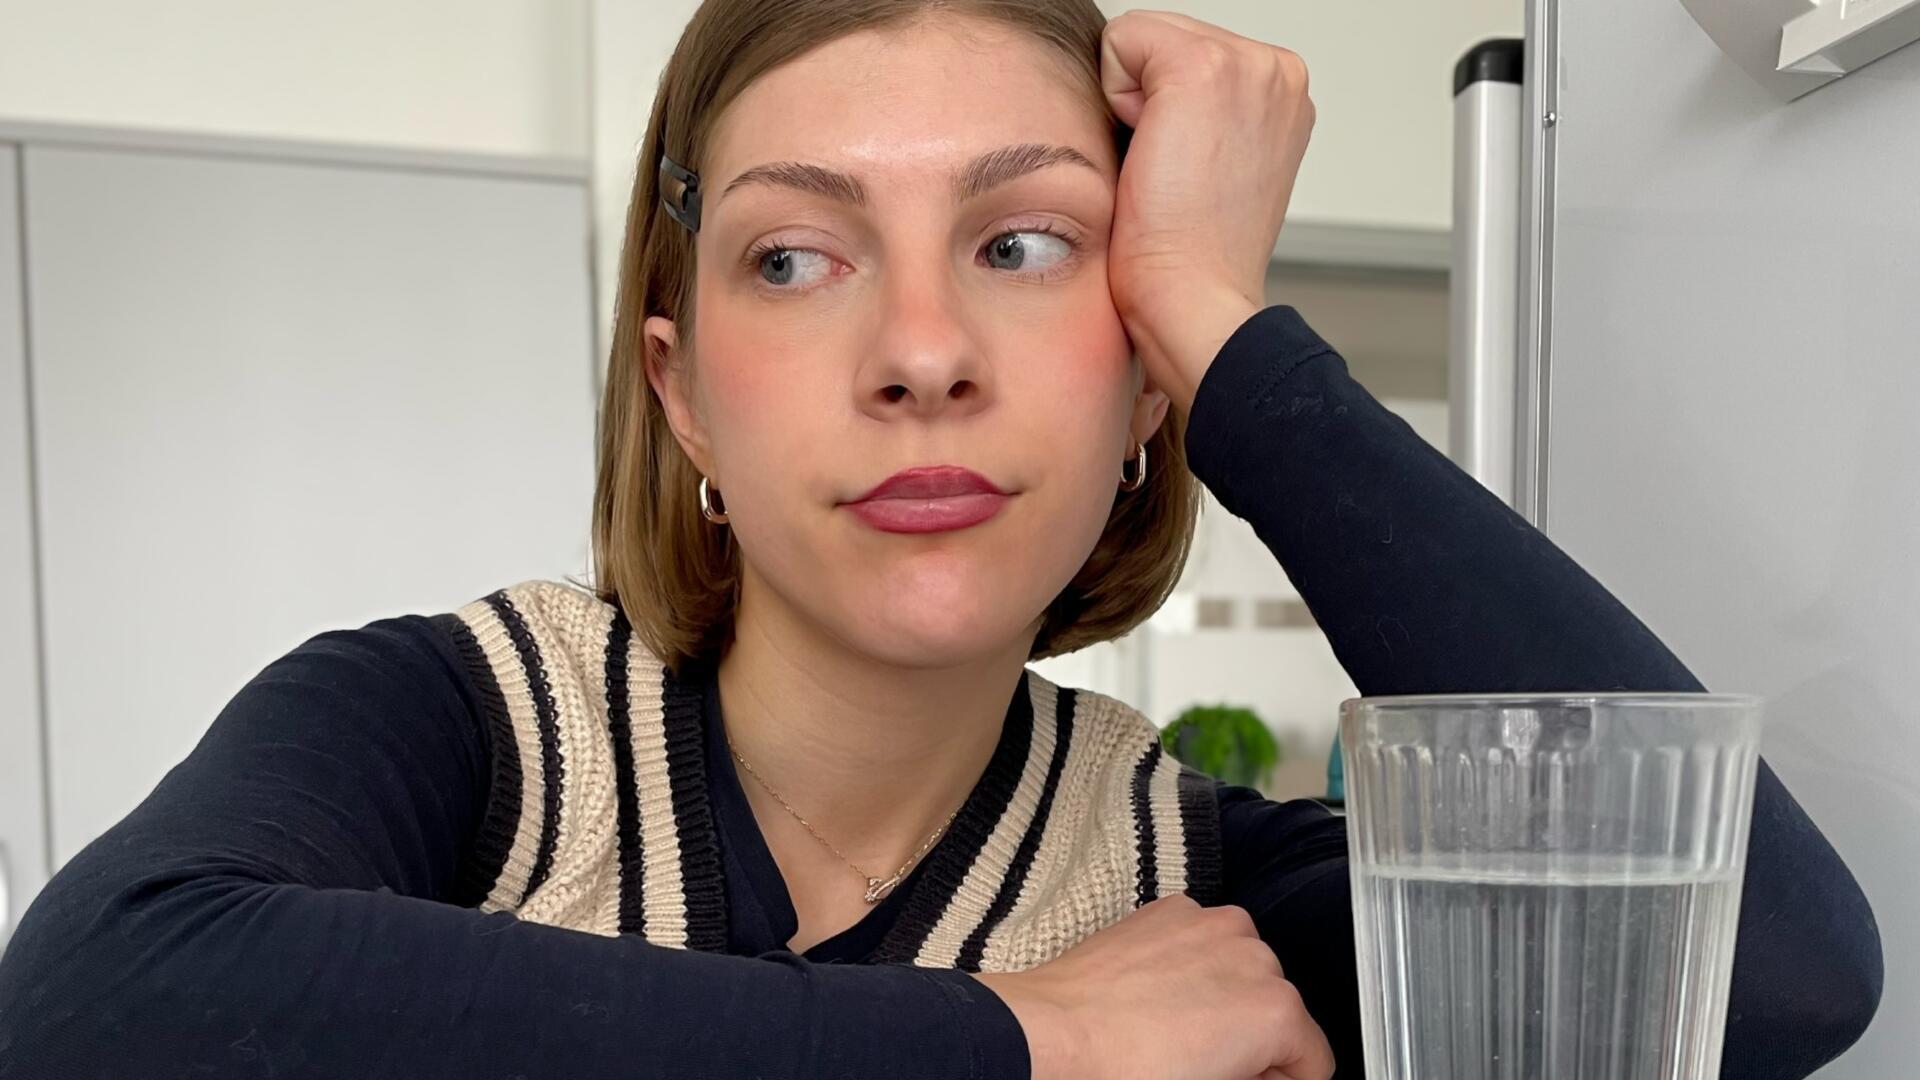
(274, 391)
(23, 849)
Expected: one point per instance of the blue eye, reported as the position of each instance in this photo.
(1019, 252)
(782, 262)
(1033, 253)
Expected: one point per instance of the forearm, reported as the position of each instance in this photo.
(220, 977)
(1425, 582)
(277, 907)
(1422, 579)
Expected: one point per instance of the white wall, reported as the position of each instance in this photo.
(489, 76)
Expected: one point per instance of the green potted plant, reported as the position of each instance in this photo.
(1227, 742)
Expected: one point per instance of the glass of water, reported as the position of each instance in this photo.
(1546, 887)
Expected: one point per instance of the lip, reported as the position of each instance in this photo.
(929, 498)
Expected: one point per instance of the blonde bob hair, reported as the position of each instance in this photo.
(676, 575)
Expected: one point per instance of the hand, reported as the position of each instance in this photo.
(1174, 991)
(1220, 125)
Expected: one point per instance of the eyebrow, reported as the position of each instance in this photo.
(975, 178)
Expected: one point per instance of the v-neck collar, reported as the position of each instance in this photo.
(760, 914)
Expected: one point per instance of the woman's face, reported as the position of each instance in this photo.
(948, 314)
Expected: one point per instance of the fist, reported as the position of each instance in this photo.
(1220, 123)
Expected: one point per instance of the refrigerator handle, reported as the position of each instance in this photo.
(1484, 293)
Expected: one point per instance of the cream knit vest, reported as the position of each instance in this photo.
(598, 818)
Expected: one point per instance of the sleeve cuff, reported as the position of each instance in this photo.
(902, 1020)
(997, 1044)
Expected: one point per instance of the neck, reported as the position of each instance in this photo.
(874, 756)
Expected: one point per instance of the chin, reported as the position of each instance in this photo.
(920, 631)
(929, 653)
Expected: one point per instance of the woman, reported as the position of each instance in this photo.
(874, 437)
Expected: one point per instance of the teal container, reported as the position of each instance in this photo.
(1336, 774)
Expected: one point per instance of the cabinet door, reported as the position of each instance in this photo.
(274, 398)
(23, 854)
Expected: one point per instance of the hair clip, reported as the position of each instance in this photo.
(680, 191)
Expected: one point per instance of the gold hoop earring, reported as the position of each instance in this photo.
(707, 511)
(1140, 471)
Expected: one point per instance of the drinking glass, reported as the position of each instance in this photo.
(1546, 887)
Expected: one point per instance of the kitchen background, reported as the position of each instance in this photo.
(289, 293)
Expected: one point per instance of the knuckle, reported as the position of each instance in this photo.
(1240, 965)
(1293, 67)
(1284, 74)
(1214, 57)
(1234, 918)
(1285, 999)
(1175, 903)
(1260, 956)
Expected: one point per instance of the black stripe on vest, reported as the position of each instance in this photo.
(633, 911)
(704, 884)
(975, 946)
(947, 864)
(552, 770)
(1200, 827)
(501, 821)
(1149, 881)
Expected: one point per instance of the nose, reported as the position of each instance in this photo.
(927, 359)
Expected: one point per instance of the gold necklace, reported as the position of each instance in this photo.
(877, 889)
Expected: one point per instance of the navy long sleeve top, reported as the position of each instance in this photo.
(275, 907)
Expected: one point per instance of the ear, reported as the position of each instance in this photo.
(667, 374)
(1149, 409)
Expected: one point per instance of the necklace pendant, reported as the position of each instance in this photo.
(877, 890)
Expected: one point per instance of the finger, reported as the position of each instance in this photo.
(1125, 45)
(1312, 1057)
(1203, 28)
(1200, 26)
(1138, 52)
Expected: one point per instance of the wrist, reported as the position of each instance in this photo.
(1056, 1048)
(1191, 335)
